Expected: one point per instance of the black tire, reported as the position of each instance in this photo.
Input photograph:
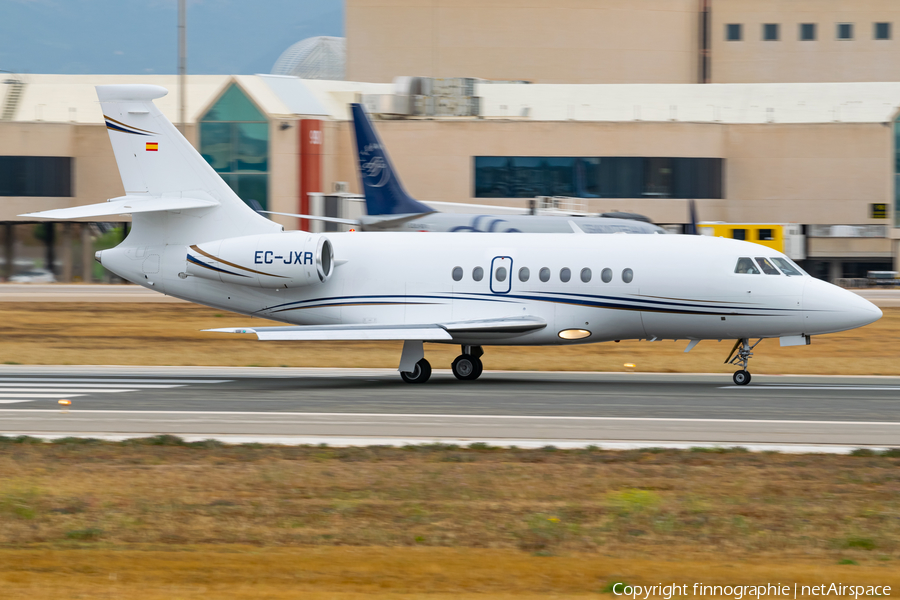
(741, 377)
(479, 368)
(466, 367)
(420, 374)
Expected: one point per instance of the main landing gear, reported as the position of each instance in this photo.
(415, 369)
(742, 358)
(467, 366)
(420, 373)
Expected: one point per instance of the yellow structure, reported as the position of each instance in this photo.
(786, 238)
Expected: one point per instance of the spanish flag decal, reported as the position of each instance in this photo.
(152, 146)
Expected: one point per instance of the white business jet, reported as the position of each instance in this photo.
(193, 238)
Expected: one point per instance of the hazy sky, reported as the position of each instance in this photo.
(134, 36)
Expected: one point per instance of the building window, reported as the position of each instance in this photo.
(598, 177)
(733, 32)
(845, 31)
(44, 176)
(807, 32)
(234, 139)
(770, 32)
(882, 31)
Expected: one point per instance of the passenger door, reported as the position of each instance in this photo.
(501, 274)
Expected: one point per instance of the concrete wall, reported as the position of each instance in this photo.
(824, 173)
(617, 41)
(543, 41)
(814, 174)
(791, 60)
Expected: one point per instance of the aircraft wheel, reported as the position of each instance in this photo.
(420, 374)
(466, 367)
(741, 377)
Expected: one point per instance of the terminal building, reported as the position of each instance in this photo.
(641, 107)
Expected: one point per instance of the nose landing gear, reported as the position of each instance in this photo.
(742, 358)
(467, 366)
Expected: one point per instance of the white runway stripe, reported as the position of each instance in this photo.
(849, 388)
(38, 396)
(114, 380)
(131, 386)
(7, 392)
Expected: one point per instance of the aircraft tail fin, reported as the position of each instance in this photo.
(691, 228)
(156, 161)
(384, 192)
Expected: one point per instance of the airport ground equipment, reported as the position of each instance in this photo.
(787, 238)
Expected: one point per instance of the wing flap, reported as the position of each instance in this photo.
(123, 205)
(425, 333)
(432, 332)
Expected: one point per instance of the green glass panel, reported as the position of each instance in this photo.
(252, 187)
(252, 140)
(215, 145)
(234, 105)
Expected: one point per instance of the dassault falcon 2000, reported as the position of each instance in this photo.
(193, 238)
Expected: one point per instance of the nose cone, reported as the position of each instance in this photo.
(828, 308)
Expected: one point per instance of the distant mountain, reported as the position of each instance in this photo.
(131, 37)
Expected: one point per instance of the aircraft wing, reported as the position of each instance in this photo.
(432, 332)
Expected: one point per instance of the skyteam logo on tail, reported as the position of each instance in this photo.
(373, 167)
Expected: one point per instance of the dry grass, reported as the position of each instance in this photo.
(169, 334)
(534, 500)
(161, 519)
(349, 573)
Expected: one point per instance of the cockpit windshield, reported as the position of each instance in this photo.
(787, 267)
(766, 266)
(745, 266)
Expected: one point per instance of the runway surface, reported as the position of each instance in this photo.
(368, 406)
(59, 292)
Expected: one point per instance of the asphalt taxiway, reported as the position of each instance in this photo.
(370, 406)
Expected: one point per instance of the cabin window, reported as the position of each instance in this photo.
(786, 267)
(606, 275)
(745, 265)
(767, 267)
(457, 273)
(586, 275)
(524, 274)
(765, 235)
(477, 273)
(627, 275)
(739, 234)
(565, 274)
(544, 274)
(500, 274)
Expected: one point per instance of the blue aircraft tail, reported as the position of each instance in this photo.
(384, 192)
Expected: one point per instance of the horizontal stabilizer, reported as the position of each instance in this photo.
(123, 205)
(426, 333)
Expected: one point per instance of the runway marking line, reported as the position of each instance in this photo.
(39, 396)
(445, 416)
(111, 379)
(851, 388)
(35, 385)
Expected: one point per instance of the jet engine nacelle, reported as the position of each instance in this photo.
(272, 260)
